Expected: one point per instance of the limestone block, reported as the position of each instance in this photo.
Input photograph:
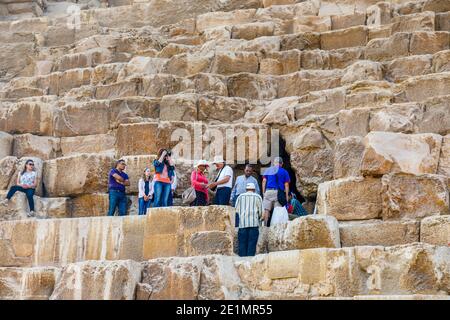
(179, 107)
(117, 90)
(379, 14)
(443, 21)
(396, 118)
(423, 21)
(79, 174)
(444, 159)
(49, 208)
(362, 70)
(30, 117)
(435, 230)
(252, 86)
(396, 152)
(6, 144)
(235, 62)
(278, 63)
(353, 198)
(436, 6)
(98, 280)
(351, 37)
(268, 3)
(27, 283)
(347, 157)
(311, 24)
(378, 233)
(213, 108)
(170, 231)
(211, 242)
(142, 65)
(435, 117)
(217, 19)
(348, 20)
(424, 42)
(388, 48)
(36, 146)
(187, 64)
(98, 143)
(354, 122)
(402, 68)
(414, 197)
(250, 31)
(313, 231)
(86, 118)
(89, 205)
(421, 88)
(300, 41)
(7, 169)
(441, 61)
(122, 109)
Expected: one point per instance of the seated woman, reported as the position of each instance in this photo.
(26, 183)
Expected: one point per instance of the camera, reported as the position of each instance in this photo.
(169, 152)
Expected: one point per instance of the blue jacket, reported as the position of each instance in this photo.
(159, 166)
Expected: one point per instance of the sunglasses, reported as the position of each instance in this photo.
(31, 164)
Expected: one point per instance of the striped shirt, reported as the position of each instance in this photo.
(250, 209)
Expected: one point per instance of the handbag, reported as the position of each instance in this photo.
(281, 195)
(189, 194)
(280, 215)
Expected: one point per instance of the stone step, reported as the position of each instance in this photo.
(175, 231)
(362, 272)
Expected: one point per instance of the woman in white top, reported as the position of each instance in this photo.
(145, 191)
(26, 183)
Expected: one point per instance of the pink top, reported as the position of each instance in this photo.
(164, 176)
(196, 178)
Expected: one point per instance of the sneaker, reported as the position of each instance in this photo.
(31, 214)
(4, 202)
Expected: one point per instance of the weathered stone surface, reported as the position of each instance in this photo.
(441, 61)
(444, 159)
(7, 169)
(423, 21)
(435, 230)
(351, 37)
(171, 232)
(98, 143)
(27, 283)
(353, 198)
(6, 144)
(98, 280)
(74, 175)
(28, 145)
(311, 24)
(34, 117)
(402, 68)
(313, 231)
(89, 205)
(354, 122)
(347, 157)
(234, 62)
(397, 118)
(211, 242)
(435, 117)
(388, 48)
(414, 197)
(396, 152)
(428, 42)
(52, 242)
(378, 233)
(362, 70)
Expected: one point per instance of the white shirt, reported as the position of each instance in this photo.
(226, 171)
(28, 177)
(174, 181)
(141, 188)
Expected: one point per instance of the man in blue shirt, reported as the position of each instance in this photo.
(275, 178)
(241, 184)
(117, 180)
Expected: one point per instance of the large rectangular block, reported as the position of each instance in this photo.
(354, 198)
(414, 197)
(378, 233)
(351, 37)
(435, 230)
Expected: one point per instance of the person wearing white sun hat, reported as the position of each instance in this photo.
(223, 182)
(249, 207)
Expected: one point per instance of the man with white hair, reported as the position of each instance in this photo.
(250, 209)
(223, 182)
(275, 187)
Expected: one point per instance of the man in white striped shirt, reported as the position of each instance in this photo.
(249, 207)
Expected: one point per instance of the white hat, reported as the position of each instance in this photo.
(218, 159)
(201, 163)
(250, 186)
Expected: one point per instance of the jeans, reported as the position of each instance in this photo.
(143, 206)
(117, 199)
(161, 194)
(29, 193)
(223, 196)
(247, 240)
(170, 200)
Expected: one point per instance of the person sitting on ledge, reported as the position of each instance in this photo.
(117, 180)
(26, 183)
(295, 208)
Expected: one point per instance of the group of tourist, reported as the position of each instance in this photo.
(253, 206)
